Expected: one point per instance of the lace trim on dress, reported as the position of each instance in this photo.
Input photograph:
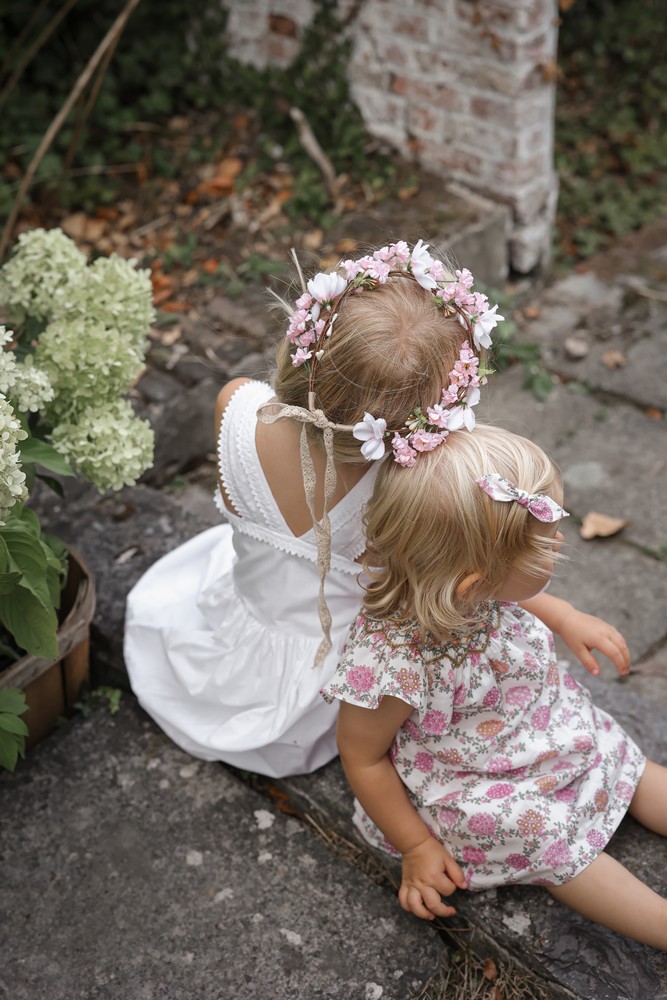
(290, 544)
(236, 446)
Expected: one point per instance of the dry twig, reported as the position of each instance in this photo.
(109, 39)
(317, 154)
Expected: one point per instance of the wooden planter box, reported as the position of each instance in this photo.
(52, 686)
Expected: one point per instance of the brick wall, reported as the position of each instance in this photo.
(464, 86)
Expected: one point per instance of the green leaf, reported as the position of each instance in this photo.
(35, 452)
(27, 556)
(13, 700)
(9, 582)
(33, 625)
(12, 724)
(9, 751)
(53, 484)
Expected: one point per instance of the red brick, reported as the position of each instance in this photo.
(281, 25)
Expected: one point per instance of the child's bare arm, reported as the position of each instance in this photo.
(429, 870)
(581, 632)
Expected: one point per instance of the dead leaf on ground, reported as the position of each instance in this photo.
(80, 226)
(613, 360)
(654, 413)
(532, 312)
(576, 348)
(596, 525)
(175, 307)
(490, 969)
(347, 245)
(405, 193)
(313, 239)
(210, 265)
(170, 334)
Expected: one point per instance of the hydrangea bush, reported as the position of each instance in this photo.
(73, 344)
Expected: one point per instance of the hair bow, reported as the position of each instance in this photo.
(538, 504)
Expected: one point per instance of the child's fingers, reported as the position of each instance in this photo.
(410, 899)
(435, 904)
(614, 646)
(455, 872)
(586, 658)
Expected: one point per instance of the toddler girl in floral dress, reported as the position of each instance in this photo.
(470, 750)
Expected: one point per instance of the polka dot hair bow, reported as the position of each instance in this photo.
(538, 504)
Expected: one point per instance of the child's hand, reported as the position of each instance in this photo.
(429, 871)
(582, 633)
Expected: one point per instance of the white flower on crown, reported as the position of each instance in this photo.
(421, 263)
(371, 432)
(463, 415)
(326, 287)
(484, 324)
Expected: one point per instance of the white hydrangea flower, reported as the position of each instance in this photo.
(32, 280)
(115, 294)
(12, 478)
(108, 443)
(87, 363)
(33, 389)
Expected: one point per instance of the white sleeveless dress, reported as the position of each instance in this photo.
(221, 634)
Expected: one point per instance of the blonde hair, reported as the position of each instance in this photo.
(429, 527)
(391, 351)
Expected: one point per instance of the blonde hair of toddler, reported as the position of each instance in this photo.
(431, 526)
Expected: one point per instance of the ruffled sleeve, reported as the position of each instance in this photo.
(372, 667)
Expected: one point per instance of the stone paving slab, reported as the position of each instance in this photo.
(572, 956)
(133, 871)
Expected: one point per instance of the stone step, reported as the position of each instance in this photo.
(133, 871)
(570, 955)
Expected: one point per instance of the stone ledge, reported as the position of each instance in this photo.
(134, 871)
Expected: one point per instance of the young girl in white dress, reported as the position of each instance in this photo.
(223, 636)
(470, 750)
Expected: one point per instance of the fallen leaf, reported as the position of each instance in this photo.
(565, 4)
(490, 969)
(654, 413)
(170, 334)
(576, 348)
(74, 225)
(595, 525)
(613, 360)
(532, 312)
(313, 239)
(347, 245)
(175, 307)
(405, 193)
(210, 265)
(94, 230)
(160, 297)
(550, 71)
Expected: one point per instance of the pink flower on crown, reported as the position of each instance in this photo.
(403, 453)
(352, 268)
(438, 415)
(400, 251)
(425, 440)
(304, 301)
(450, 395)
(300, 355)
(326, 287)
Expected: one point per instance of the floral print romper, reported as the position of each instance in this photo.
(505, 757)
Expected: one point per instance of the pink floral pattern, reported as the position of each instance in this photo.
(504, 755)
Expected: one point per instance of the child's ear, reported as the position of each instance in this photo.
(466, 583)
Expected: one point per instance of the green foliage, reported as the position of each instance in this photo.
(611, 139)
(108, 695)
(13, 729)
(171, 58)
(31, 576)
(508, 351)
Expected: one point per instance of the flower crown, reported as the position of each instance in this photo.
(312, 323)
